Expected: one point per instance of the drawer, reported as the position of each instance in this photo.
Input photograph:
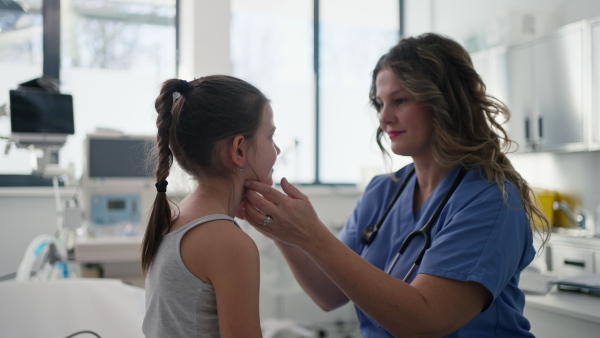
(571, 262)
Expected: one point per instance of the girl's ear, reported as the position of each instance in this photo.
(238, 151)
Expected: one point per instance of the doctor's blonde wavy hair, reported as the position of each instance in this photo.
(438, 72)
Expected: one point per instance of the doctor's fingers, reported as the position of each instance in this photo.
(253, 215)
(254, 200)
(266, 191)
(292, 191)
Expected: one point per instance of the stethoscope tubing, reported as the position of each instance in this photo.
(425, 231)
(396, 196)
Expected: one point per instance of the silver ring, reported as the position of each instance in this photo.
(267, 221)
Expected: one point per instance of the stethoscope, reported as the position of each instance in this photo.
(370, 232)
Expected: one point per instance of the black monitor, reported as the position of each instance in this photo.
(37, 116)
(119, 157)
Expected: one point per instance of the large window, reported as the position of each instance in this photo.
(114, 55)
(353, 36)
(319, 92)
(271, 46)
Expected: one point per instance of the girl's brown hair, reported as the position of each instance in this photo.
(193, 118)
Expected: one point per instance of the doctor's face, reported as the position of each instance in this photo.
(406, 122)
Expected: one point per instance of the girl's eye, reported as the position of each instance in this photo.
(400, 101)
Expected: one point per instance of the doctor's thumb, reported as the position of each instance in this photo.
(291, 190)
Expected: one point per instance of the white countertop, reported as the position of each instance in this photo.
(576, 241)
(566, 303)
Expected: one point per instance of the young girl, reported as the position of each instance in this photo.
(202, 270)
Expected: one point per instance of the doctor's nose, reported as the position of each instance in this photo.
(386, 115)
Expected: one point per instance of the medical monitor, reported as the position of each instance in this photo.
(39, 117)
(117, 183)
(120, 156)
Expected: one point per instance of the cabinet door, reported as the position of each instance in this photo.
(558, 91)
(571, 261)
(491, 66)
(520, 94)
(596, 85)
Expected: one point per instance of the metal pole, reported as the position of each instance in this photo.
(51, 38)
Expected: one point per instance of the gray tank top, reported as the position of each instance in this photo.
(178, 304)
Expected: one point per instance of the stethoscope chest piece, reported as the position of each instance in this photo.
(370, 231)
(368, 235)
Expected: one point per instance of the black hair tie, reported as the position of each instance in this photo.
(161, 186)
(183, 87)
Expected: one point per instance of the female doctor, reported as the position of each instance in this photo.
(432, 106)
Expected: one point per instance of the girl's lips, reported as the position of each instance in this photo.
(393, 134)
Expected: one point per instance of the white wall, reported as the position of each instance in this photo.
(204, 38)
(572, 174)
(461, 18)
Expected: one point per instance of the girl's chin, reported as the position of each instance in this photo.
(267, 181)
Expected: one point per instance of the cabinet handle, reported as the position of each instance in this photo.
(540, 126)
(574, 263)
(527, 129)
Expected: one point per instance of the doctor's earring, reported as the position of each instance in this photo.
(241, 170)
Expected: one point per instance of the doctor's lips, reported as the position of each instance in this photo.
(393, 134)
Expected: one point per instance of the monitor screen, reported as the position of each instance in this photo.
(125, 157)
(41, 112)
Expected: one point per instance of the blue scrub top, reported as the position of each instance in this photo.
(479, 236)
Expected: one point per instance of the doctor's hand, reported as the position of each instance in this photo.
(292, 219)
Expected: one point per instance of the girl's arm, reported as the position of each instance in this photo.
(228, 259)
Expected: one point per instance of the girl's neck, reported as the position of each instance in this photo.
(215, 196)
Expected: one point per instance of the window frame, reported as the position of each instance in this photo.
(317, 72)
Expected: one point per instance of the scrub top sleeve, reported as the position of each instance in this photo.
(485, 241)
